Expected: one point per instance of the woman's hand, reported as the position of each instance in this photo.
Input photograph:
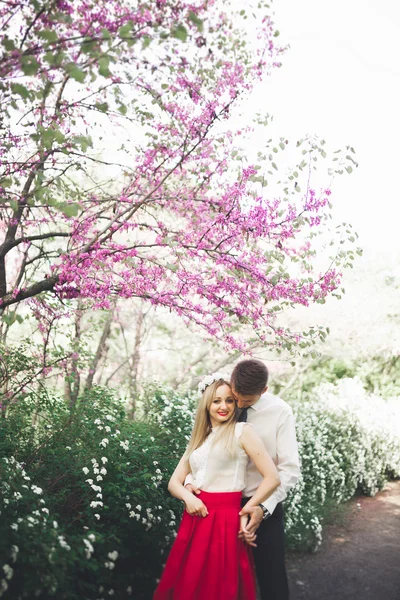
(244, 534)
(255, 515)
(195, 506)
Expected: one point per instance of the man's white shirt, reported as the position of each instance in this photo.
(272, 418)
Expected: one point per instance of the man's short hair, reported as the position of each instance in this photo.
(250, 377)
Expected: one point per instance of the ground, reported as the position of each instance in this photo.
(359, 558)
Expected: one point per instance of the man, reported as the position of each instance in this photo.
(273, 420)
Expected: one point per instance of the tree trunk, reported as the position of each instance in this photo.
(100, 351)
(73, 380)
(135, 362)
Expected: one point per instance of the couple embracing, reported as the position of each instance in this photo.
(240, 462)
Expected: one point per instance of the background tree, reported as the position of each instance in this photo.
(183, 221)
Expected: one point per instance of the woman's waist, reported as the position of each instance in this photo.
(221, 499)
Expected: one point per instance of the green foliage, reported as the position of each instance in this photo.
(195, 19)
(29, 65)
(348, 444)
(180, 32)
(75, 72)
(67, 455)
(379, 374)
(83, 501)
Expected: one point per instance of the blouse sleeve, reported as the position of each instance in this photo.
(239, 430)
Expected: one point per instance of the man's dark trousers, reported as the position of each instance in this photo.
(269, 557)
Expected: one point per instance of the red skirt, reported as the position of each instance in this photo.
(207, 560)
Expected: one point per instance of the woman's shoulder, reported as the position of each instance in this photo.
(241, 427)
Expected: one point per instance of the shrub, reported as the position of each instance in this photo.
(348, 443)
(87, 492)
(85, 512)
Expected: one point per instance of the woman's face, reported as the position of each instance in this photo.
(222, 406)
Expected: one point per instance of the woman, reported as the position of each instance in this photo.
(208, 561)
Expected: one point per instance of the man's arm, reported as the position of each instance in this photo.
(288, 464)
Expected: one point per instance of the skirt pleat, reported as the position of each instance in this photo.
(207, 560)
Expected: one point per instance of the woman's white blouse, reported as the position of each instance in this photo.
(214, 470)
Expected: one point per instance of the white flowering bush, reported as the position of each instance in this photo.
(84, 507)
(349, 441)
(84, 510)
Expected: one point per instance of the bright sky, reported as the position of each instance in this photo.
(340, 79)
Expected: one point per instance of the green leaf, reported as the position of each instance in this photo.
(102, 106)
(8, 44)
(349, 169)
(88, 45)
(180, 33)
(125, 30)
(51, 135)
(195, 19)
(29, 65)
(104, 61)
(146, 42)
(21, 90)
(54, 59)
(8, 319)
(5, 183)
(84, 142)
(105, 34)
(48, 34)
(75, 72)
(123, 109)
(69, 210)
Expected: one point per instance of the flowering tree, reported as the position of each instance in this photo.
(179, 222)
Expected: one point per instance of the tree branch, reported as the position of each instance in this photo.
(45, 285)
(32, 238)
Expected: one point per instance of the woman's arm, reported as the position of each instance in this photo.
(255, 449)
(194, 506)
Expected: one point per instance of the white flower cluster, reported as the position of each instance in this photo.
(14, 473)
(88, 547)
(103, 426)
(111, 563)
(147, 518)
(209, 379)
(98, 472)
(8, 573)
(157, 478)
(348, 440)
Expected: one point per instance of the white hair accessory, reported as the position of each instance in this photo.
(209, 379)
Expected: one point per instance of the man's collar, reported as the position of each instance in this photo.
(257, 405)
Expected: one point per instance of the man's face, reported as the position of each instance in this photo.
(245, 400)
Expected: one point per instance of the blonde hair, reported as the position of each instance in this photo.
(202, 423)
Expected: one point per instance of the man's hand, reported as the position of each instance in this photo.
(256, 516)
(192, 489)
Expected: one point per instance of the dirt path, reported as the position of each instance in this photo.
(359, 558)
